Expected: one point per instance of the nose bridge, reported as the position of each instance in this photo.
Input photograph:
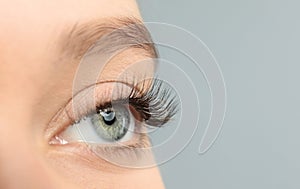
(19, 161)
(22, 162)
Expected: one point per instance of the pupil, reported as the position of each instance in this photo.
(108, 117)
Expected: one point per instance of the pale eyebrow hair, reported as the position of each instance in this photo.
(107, 35)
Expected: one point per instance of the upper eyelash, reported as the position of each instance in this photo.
(157, 105)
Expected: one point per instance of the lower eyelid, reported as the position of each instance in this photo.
(141, 143)
(125, 155)
(130, 151)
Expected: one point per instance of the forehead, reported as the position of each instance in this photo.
(35, 35)
(37, 23)
(32, 33)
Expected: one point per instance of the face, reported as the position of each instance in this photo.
(66, 66)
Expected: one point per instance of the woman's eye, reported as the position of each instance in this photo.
(106, 125)
(123, 119)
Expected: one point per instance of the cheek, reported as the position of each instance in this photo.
(74, 169)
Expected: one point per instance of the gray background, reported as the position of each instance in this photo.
(257, 45)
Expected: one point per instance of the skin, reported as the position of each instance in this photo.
(34, 86)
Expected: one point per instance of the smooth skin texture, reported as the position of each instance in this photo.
(35, 84)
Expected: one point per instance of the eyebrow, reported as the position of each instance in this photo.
(106, 35)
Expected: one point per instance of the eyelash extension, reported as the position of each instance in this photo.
(157, 105)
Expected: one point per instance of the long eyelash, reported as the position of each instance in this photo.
(157, 103)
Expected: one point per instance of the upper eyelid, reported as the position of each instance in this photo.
(65, 115)
(131, 86)
(134, 89)
(102, 82)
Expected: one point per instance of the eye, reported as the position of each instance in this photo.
(117, 117)
(106, 125)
